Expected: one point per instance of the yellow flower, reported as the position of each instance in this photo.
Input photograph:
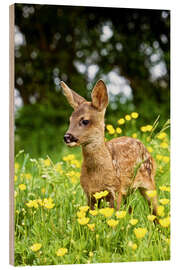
(91, 226)
(165, 222)
(134, 115)
(159, 157)
(22, 187)
(93, 212)
(149, 127)
(120, 214)
(121, 121)
(118, 130)
(132, 245)
(160, 211)
(107, 212)
(58, 168)
(15, 178)
(28, 176)
(61, 252)
(81, 214)
(112, 223)
(43, 190)
(161, 135)
(99, 195)
(149, 148)
(140, 232)
(151, 217)
(47, 162)
(69, 157)
(148, 139)
(164, 201)
(143, 128)
(127, 117)
(84, 208)
(151, 193)
(76, 163)
(16, 166)
(134, 135)
(164, 188)
(32, 203)
(165, 159)
(133, 221)
(164, 145)
(110, 129)
(35, 247)
(83, 220)
(90, 254)
(48, 203)
(167, 241)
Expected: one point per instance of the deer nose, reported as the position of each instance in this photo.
(68, 138)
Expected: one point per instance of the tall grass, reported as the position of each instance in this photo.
(51, 227)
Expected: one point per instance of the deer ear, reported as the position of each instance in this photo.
(99, 96)
(72, 97)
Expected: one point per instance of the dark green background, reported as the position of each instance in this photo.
(58, 36)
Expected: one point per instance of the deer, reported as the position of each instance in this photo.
(107, 165)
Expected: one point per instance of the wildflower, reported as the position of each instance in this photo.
(149, 148)
(84, 208)
(134, 135)
(76, 163)
(15, 178)
(160, 211)
(93, 212)
(151, 217)
(164, 145)
(58, 168)
(161, 135)
(165, 159)
(83, 220)
(48, 203)
(149, 127)
(118, 130)
(120, 214)
(112, 223)
(91, 226)
(133, 221)
(47, 162)
(140, 232)
(148, 139)
(28, 176)
(35, 247)
(121, 121)
(134, 115)
(22, 187)
(80, 214)
(61, 252)
(90, 254)
(16, 166)
(110, 129)
(69, 157)
(151, 193)
(132, 245)
(167, 241)
(164, 188)
(99, 195)
(159, 157)
(32, 203)
(165, 222)
(164, 201)
(143, 129)
(43, 190)
(127, 117)
(107, 212)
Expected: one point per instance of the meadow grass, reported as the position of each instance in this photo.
(52, 227)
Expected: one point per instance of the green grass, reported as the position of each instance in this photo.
(57, 226)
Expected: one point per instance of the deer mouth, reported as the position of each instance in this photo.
(70, 140)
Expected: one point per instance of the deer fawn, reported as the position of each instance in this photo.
(107, 165)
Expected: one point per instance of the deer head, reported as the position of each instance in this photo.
(87, 120)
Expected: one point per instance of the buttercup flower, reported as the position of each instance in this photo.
(112, 223)
(164, 145)
(133, 221)
(22, 187)
(61, 252)
(140, 232)
(93, 212)
(159, 157)
(32, 203)
(84, 208)
(91, 226)
(48, 203)
(165, 159)
(83, 220)
(160, 210)
(151, 217)
(165, 222)
(164, 188)
(47, 162)
(161, 135)
(121, 121)
(134, 115)
(107, 212)
(127, 117)
(149, 148)
(120, 214)
(118, 130)
(99, 195)
(35, 247)
(164, 201)
(151, 193)
(15, 178)
(132, 245)
(134, 135)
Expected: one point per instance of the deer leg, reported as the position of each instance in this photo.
(119, 200)
(91, 201)
(153, 202)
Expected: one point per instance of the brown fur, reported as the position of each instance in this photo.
(117, 166)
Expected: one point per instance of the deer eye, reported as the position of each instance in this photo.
(84, 122)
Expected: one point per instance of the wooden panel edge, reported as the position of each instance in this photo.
(11, 133)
